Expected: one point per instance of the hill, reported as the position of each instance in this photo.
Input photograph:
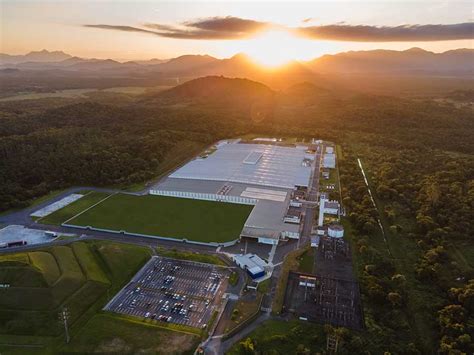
(81, 276)
(184, 63)
(43, 281)
(218, 89)
(411, 61)
(38, 56)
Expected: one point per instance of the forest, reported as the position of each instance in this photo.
(418, 153)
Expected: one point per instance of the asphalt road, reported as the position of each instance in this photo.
(312, 197)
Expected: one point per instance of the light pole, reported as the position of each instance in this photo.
(63, 317)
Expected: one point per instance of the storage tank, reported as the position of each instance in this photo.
(336, 231)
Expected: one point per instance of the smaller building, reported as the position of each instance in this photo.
(252, 263)
(315, 241)
(329, 160)
(298, 194)
(326, 175)
(330, 150)
(331, 207)
(321, 230)
(293, 215)
(335, 231)
(296, 203)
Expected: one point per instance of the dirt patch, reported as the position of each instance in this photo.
(175, 344)
(115, 345)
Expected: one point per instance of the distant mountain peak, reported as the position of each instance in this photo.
(417, 50)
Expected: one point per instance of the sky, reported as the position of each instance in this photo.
(269, 31)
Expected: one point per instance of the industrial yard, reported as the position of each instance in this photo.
(253, 202)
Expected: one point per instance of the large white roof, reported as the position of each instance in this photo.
(257, 164)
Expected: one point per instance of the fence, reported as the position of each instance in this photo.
(207, 197)
(178, 240)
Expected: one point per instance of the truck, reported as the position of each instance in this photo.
(17, 243)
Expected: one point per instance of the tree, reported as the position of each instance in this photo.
(247, 346)
(394, 298)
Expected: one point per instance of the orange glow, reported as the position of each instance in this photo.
(275, 48)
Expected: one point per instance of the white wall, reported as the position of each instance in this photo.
(207, 197)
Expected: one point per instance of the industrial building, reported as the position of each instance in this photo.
(252, 263)
(329, 158)
(327, 206)
(271, 177)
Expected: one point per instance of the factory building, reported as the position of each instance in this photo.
(253, 264)
(270, 177)
(327, 206)
(329, 160)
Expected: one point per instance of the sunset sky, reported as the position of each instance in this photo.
(268, 31)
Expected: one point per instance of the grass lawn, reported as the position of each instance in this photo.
(291, 263)
(242, 311)
(106, 333)
(47, 264)
(77, 276)
(284, 337)
(72, 209)
(184, 255)
(307, 262)
(199, 220)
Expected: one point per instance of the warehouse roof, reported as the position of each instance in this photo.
(256, 164)
(250, 261)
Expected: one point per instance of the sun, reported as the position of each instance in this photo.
(276, 48)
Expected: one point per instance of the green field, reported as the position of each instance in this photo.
(283, 337)
(81, 276)
(107, 333)
(190, 256)
(307, 261)
(74, 208)
(204, 221)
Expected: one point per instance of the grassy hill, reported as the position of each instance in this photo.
(212, 89)
(81, 276)
(75, 276)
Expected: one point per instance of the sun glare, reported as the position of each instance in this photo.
(275, 48)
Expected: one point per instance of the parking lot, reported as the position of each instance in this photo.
(176, 291)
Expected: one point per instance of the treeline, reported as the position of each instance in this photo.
(383, 288)
(427, 199)
(82, 144)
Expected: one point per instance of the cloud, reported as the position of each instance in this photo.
(231, 28)
(211, 28)
(119, 28)
(228, 24)
(404, 33)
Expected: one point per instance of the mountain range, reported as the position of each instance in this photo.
(415, 61)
